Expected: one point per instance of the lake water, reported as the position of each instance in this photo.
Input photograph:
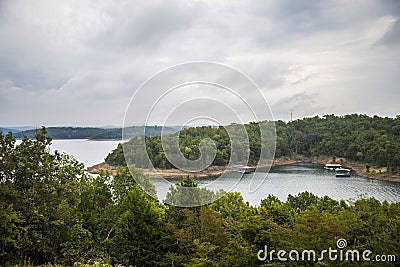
(85, 151)
(281, 181)
(293, 179)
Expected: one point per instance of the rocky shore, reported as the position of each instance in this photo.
(102, 168)
(166, 173)
(374, 173)
(358, 168)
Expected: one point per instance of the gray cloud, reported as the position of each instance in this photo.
(392, 36)
(79, 62)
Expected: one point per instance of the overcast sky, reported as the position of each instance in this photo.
(79, 62)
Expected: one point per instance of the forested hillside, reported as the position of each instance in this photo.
(7, 130)
(189, 140)
(93, 133)
(51, 211)
(374, 141)
(116, 134)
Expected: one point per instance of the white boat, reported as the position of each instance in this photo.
(340, 172)
(248, 169)
(332, 167)
(242, 169)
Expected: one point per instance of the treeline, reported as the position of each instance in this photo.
(238, 143)
(52, 212)
(65, 132)
(189, 140)
(134, 131)
(7, 130)
(374, 141)
(94, 133)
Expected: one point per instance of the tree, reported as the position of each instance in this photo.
(138, 230)
(186, 193)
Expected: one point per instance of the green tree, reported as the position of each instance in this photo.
(187, 193)
(138, 230)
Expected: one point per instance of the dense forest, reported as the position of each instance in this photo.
(51, 211)
(65, 132)
(374, 141)
(6, 130)
(93, 133)
(189, 143)
(14, 129)
(133, 131)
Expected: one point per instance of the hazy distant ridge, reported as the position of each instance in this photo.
(7, 130)
(95, 133)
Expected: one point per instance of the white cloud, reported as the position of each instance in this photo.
(79, 62)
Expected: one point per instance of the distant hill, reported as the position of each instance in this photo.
(372, 141)
(109, 127)
(135, 131)
(96, 133)
(18, 128)
(64, 132)
(7, 130)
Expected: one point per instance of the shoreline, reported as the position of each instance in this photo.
(356, 167)
(359, 169)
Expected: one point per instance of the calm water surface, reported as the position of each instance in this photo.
(85, 151)
(281, 181)
(293, 179)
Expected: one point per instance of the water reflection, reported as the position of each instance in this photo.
(296, 178)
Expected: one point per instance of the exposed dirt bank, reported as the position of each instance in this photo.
(356, 167)
(359, 169)
(102, 167)
(166, 173)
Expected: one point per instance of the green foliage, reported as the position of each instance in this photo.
(371, 140)
(94, 133)
(53, 214)
(138, 230)
(244, 142)
(278, 211)
(65, 132)
(134, 131)
(116, 156)
(189, 140)
(51, 210)
(126, 179)
(187, 193)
